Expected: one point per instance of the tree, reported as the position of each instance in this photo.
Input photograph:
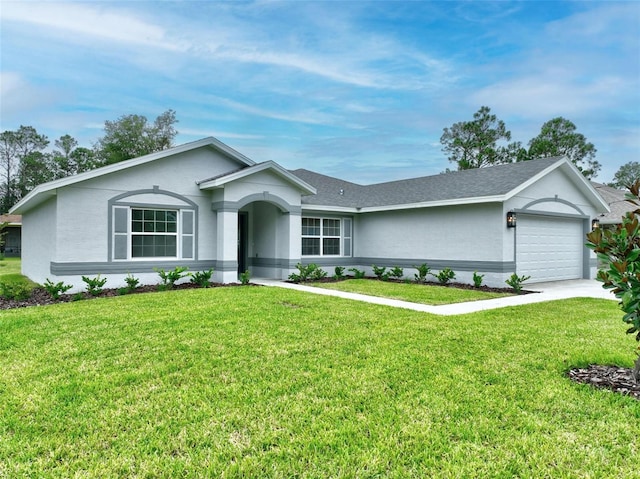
(14, 146)
(619, 249)
(558, 137)
(131, 136)
(474, 144)
(628, 174)
(35, 168)
(70, 159)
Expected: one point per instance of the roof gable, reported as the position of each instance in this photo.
(41, 192)
(221, 180)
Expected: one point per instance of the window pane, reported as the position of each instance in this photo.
(331, 246)
(311, 226)
(310, 246)
(151, 246)
(331, 228)
(149, 227)
(161, 215)
(136, 215)
(149, 215)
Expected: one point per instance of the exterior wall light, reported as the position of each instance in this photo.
(511, 219)
(595, 224)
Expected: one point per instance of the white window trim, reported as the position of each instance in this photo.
(132, 233)
(341, 237)
(179, 234)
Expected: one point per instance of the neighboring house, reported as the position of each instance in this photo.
(618, 205)
(204, 205)
(12, 235)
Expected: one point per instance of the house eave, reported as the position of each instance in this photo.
(405, 206)
(219, 182)
(32, 199)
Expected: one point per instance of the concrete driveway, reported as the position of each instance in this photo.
(582, 288)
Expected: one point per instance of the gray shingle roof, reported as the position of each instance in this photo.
(477, 183)
(617, 202)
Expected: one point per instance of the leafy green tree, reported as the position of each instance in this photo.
(474, 144)
(558, 137)
(628, 174)
(131, 136)
(69, 159)
(619, 249)
(14, 146)
(35, 168)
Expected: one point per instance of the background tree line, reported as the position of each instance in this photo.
(26, 163)
(485, 141)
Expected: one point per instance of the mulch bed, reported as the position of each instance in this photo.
(40, 296)
(614, 378)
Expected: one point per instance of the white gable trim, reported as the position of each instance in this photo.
(245, 172)
(584, 185)
(46, 190)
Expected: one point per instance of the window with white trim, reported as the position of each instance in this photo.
(154, 233)
(147, 232)
(324, 237)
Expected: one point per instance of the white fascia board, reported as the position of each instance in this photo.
(330, 209)
(435, 204)
(267, 165)
(123, 165)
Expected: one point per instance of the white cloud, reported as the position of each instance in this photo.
(95, 21)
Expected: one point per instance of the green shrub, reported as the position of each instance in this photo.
(94, 285)
(396, 272)
(245, 277)
(338, 272)
(445, 275)
(477, 279)
(56, 289)
(202, 278)
(132, 282)
(170, 277)
(380, 272)
(619, 250)
(423, 271)
(310, 272)
(15, 290)
(516, 282)
(357, 273)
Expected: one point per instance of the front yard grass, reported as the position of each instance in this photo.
(268, 382)
(9, 266)
(432, 294)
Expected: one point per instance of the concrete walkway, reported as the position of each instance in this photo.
(582, 288)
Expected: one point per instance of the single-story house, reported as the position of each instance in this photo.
(204, 205)
(11, 241)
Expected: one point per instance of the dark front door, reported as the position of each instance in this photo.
(242, 242)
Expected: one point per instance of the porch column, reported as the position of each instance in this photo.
(293, 253)
(227, 239)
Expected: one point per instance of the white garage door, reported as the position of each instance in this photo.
(549, 248)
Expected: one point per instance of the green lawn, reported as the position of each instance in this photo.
(432, 294)
(267, 382)
(9, 266)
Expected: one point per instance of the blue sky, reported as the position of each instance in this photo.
(358, 90)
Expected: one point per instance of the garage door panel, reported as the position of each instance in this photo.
(549, 248)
